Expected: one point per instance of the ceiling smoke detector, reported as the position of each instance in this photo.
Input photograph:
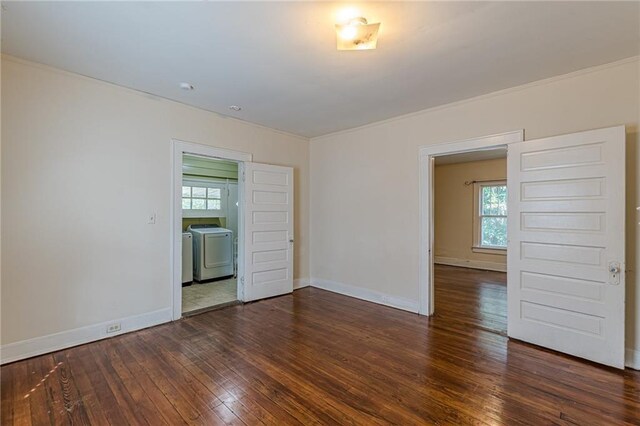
(357, 34)
(235, 108)
(186, 86)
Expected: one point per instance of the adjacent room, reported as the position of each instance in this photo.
(210, 238)
(470, 239)
(320, 213)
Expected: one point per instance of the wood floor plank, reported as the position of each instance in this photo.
(103, 403)
(72, 409)
(130, 408)
(90, 398)
(132, 385)
(280, 371)
(230, 391)
(7, 390)
(261, 387)
(173, 385)
(316, 357)
(22, 385)
(41, 411)
(324, 370)
(165, 408)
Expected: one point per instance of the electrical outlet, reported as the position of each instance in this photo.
(113, 328)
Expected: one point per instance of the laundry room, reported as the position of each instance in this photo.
(210, 233)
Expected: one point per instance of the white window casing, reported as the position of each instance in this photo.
(482, 218)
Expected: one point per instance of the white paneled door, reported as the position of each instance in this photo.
(566, 282)
(268, 218)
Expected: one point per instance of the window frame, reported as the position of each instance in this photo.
(206, 183)
(477, 218)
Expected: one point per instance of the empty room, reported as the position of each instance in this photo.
(320, 213)
(470, 239)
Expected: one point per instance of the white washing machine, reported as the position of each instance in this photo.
(212, 252)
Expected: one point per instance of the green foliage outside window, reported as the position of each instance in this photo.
(493, 216)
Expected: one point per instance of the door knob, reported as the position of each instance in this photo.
(614, 273)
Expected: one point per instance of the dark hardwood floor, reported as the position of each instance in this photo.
(471, 297)
(316, 357)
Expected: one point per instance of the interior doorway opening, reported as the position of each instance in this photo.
(196, 182)
(427, 161)
(470, 239)
(210, 210)
(566, 239)
(263, 257)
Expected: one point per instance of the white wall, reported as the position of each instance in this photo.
(83, 164)
(364, 182)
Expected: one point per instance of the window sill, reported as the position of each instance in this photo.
(199, 214)
(490, 250)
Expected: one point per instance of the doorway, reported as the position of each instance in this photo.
(470, 239)
(208, 180)
(566, 245)
(210, 245)
(427, 158)
(263, 264)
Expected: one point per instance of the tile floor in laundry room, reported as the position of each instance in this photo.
(199, 296)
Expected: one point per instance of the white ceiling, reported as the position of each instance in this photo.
(279, 61)
(467, 157)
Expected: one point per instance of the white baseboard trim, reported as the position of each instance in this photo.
(301, 282)
(366, 294)
(78, 336)
(467, 263)
(632, 358)
(54, 342)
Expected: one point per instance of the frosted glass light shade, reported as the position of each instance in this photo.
(357, 35)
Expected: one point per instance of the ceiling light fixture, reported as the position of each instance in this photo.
(235, 108)
(186, 86)
(357, 34)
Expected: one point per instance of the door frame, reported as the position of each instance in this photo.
(178, 149)
(426, 156)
